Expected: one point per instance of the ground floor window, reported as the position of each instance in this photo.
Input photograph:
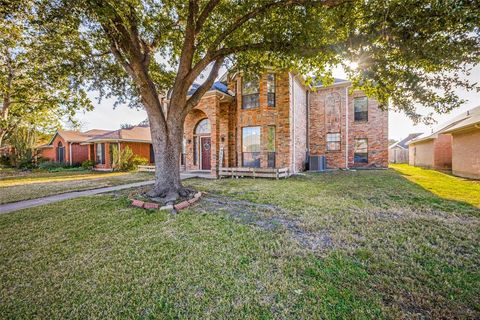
(271, 146)
(195, 151)
(251, 147)
(100, 156)
(60, 153)
(184, 150)
(152, 154)
(361, 151)
(333, 141)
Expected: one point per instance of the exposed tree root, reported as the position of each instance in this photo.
(169, 195)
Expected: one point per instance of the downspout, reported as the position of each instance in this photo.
(307, 121)
(293, 125)
(70, 152)
(346, 127)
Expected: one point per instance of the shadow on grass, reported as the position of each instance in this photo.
(444, 186)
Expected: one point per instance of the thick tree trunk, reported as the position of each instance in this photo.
(167, 145)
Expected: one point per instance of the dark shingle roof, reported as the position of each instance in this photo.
(219, 86)
(404, 142)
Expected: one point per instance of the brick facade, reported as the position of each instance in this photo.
(466, 154)
(443, 152)
(74, 152)
(434, 153)
(301, 118)
(332, 111)
(139, 149)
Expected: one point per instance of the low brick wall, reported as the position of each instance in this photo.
(155, 206)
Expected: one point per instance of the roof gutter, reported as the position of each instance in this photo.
(116, 140)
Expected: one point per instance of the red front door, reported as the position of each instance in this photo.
(205, 146)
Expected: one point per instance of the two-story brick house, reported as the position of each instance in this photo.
(276, 121)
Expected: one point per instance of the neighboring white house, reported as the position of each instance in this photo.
(398, 152)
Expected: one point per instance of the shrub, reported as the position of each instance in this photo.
(88, 164)
(139, 161)
(125, 160)
(50, 165)
(5, 160)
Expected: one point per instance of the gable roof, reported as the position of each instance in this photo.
(133, 134)
(77, 136)
(471, 119)
(336, 81)
(404, 142)
(447, 126)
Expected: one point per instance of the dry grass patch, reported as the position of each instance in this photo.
(41, 184)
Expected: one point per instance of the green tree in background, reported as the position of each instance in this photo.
(408, 52)
(37, 87)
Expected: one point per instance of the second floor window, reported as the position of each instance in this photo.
(360, 106)
(271, 90)
(333, 141)
(250, 93)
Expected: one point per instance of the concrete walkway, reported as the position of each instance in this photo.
(14, 206)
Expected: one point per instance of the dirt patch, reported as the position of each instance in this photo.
(267, 217)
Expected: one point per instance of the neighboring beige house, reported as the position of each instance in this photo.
(466, 145)
(433, 151)
(453, 146)
(398, 152)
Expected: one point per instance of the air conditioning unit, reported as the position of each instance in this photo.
(318, 163)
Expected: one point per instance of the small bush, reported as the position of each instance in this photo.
(5, 161)
(41, 159)
(49, 165)
(88, 164)
(68, 168)
(139, 161)
(125, 160)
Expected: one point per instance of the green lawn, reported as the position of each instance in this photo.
(442, 184)
(16, 186)
(351, 245)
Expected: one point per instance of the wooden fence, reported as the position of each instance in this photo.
(240, 172)
(146, 168)
(254, 172)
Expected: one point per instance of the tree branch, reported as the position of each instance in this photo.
(204, 14)
(186, 57)
(195, 98)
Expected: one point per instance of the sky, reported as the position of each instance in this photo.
(104, 116)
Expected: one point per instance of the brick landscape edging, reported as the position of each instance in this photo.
(179, 206)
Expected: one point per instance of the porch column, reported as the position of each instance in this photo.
(70, 153)
(107, 155)
(215, 139)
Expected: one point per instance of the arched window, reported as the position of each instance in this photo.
(60, 144)
(203, 127)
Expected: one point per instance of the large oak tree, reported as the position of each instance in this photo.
(408, 51)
